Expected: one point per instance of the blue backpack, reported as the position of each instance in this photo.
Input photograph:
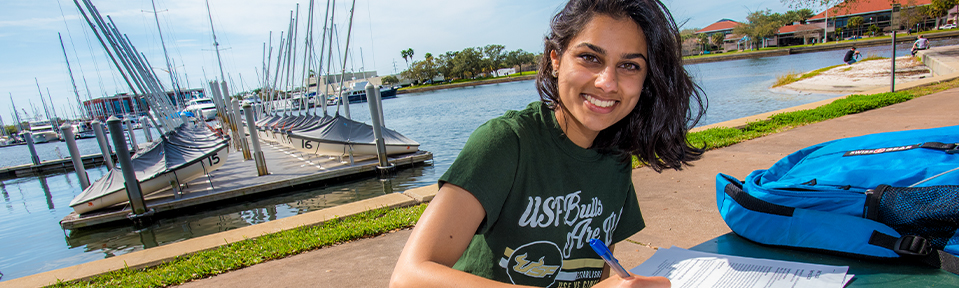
(880, 196)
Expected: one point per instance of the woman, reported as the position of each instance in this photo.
(530, 188)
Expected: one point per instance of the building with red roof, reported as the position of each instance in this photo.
(880, 13)
(724, 26)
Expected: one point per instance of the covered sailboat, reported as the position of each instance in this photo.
(340, 135)
(185, 154)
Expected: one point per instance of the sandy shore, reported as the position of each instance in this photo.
(858, 77)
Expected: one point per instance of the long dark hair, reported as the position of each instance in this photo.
(670, 103)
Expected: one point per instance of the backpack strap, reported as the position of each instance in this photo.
(948, 147)
(772, 224)
(916, 247)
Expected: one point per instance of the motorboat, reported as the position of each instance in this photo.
(81, 130)
(202, 107)
(341, 136)
(358, 93)
(43, 131)
(182, 155)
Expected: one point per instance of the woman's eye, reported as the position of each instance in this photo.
(589, 58)
(631, 67)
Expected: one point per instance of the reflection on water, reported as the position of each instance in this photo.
(31, 240)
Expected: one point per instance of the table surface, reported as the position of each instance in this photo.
(869, 273)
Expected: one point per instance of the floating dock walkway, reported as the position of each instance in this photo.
(49, 166)
(288, 169)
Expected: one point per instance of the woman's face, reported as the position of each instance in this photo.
(600, 76)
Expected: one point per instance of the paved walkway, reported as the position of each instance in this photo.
(679, 208)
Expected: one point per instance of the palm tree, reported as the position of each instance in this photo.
(406, 57)
(718, 39)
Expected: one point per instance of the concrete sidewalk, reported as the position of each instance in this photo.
(679, 206)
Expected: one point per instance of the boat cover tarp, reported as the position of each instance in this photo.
(346, 131)
(313, 123)
(183, 146)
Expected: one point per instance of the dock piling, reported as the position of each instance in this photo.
(385, 169)
(33, 149)
(126, 166)
(104, 144)
(146, 128)
(71, 139)
(133, 137)
(257, 153)
(244, 145)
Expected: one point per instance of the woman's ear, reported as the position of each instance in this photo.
(554, 58)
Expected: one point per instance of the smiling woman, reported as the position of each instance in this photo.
(532, 187)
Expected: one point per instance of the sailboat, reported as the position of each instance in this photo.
(337, 135)
(188, 153)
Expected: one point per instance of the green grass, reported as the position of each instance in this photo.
(722, 137)
(257, 250)
(792, 77)
(285, 243)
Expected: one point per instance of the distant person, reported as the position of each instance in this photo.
(531, 187)
(851, 56)
(921, 44)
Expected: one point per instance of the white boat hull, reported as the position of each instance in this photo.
(159, 183)
(338, 149)
(44, 137)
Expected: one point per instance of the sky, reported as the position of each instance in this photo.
(31, 55)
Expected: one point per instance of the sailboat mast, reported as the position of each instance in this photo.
(15, 113)
(72, 81)
(43, 101)
(166, 56)
(319, 69)
(349, 31)
(216, 45)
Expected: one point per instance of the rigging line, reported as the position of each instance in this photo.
(70, 36)
(372, 43)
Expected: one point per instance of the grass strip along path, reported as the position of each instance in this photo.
(371, 223)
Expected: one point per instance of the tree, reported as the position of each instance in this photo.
(390, 80)
(804, 14)
(874, 29)
(760, 25)
(854, 23)
(407, 55)
(911, 16)
(688, 33)
(703, 40)
(494, 57)
(940, 8)
(718, 39)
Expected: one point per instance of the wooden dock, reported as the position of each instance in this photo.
(288, 169)
(49, 166)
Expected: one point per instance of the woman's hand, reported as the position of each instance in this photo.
(635, 281)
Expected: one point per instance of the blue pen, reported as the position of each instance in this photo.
(603, 251)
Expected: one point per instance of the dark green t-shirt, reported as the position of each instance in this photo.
(544, 198)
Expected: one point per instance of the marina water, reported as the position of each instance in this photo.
(31, 240)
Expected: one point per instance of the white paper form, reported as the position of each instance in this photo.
(689, 269)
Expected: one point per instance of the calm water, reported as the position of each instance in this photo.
(31, 240)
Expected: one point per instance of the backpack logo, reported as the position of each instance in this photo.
(880, 150)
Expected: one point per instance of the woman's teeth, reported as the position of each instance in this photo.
(600, 103)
